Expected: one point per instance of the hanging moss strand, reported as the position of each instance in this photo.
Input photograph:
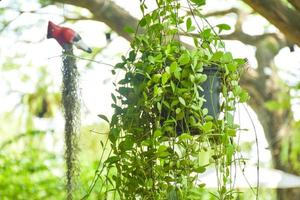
(71, 107)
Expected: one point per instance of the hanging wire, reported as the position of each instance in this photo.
(257, 152)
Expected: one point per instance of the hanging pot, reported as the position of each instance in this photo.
(211, 90)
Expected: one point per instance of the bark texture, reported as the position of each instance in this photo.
(281, 15)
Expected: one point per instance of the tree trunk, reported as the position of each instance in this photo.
(276, 123)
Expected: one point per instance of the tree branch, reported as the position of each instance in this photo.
(218, 13)
(295, 3)
(238, 33)
(243, 37)
(77, 18)
(284, 18)
(107, 12)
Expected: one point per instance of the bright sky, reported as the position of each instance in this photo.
(96, 83)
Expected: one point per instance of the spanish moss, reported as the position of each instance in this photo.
(71, 107)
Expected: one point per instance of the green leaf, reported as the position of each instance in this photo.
(200, 78)
(157, 91)
(184, 59)
(156, 77)
(158, 58)
(240, 61)
(164, 78)
(182, 101)
(179, 116)
(143, 22)
(177, 74)
(129, 29)
(174, 103)
(229, 153)
(113, 98)
(231, 67)
(223, 27)
(114, 134)
(200, 169)
(166, 104)
(195, 107)
(231, 132)
(204, 111)
(244, 96)
(217, 56)
(103, 117)
(173, 86)
(173, 67)
(185, 136)
(146, 143)
(230, 119)
(192, 78)
(120, 65)
(151, 59)
(157, 133)
(126, 144)
(162, 151)
(132, 56)
(206, 33)
(227, 57)
(112, 159)
(189, 26)
(237, 90)
(199, 2)
(159, 106)
(124, 81)
(207, 127)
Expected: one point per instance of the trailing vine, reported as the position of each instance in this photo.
(163, 118)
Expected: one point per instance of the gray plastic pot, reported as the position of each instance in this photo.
(211, 90)
(211, 93)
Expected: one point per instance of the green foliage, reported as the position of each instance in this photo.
(29, 172)
(290, 150)
(41, 104)
(160, 124)
(282, 104)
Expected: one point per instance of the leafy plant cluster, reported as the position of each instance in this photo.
(160, 124)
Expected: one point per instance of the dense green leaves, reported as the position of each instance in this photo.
(33, 171)
(159, 107)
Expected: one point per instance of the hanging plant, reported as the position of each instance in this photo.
(173, 103)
